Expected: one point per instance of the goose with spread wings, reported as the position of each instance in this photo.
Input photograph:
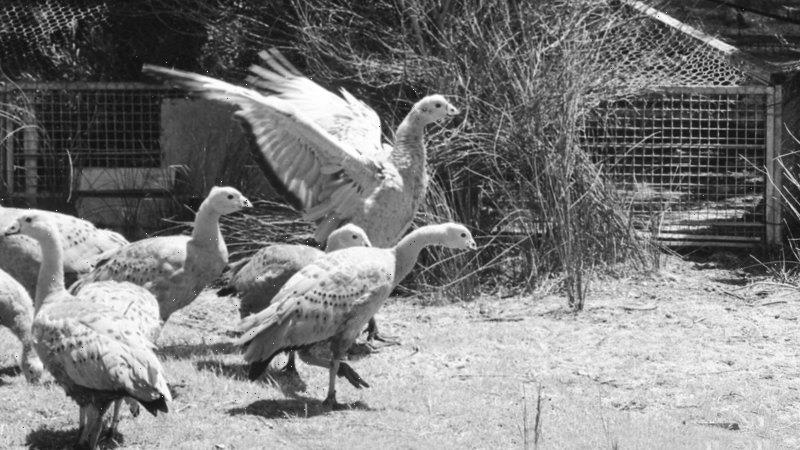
(324, 152)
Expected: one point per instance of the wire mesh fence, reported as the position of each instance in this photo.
(54, 130)
(689, 163)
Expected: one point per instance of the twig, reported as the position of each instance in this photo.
(732, 294)
(184, 407)
(525, 444)
(776, 302)
(639, 308)
(537, 424)
(502, 319)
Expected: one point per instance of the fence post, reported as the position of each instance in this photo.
(8, 130)
(30, 148)
(774, 177)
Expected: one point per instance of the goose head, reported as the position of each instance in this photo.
(35, 225)
(457, 236)
(434, 107)
(349, 235)
(227, 200)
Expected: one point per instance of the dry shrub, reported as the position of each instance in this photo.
(526, 75)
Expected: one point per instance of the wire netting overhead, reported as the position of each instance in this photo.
(107, 40)
(679, 59)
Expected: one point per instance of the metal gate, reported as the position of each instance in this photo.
(694, 162)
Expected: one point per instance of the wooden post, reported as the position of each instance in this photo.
(772, 195)
(776, 221)
(30, 148)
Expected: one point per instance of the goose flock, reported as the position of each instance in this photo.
(88, 306)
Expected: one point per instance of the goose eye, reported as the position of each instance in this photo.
(355, 236)
(230, 196)
(438, 105)
(463, 235)
(28, 219)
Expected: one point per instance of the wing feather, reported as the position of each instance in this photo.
(306, 136)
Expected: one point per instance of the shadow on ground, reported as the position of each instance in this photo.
(10, 371)
(46, 438)
(288, 383)
(297, 406)
(187, 351)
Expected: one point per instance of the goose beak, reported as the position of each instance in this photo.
(246, 203)
(472, 245)
(452, 110)
(11, 229)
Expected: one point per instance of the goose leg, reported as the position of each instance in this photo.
(290, 368)
(81, 421)
(344, 370)
(90, 434)
(115, 417)
(373, 335)
(330, 400)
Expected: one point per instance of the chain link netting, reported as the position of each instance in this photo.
(70, 40)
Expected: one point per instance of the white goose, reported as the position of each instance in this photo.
(326, 151)
(95, 353)
(174, 268)
(326, 305)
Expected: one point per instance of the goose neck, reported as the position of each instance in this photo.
(206, 226)
(51, 272)
(408, 249)
(409, 147)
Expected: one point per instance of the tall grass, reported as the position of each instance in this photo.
(526, 75)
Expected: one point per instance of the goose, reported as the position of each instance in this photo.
(324, 152)
(16, 314)
(258, 279)
(92, 351)
(83, 244)
(134, 303)
(174, 268)
(322, 308)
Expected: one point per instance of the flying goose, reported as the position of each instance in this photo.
(328, 302)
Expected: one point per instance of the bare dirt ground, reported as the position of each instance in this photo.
(697, 356)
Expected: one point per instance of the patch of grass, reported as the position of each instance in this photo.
(657, 361)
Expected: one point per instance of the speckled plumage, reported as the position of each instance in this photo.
(324, 152)
(16, 314)
(97, 353)
(136, 304)
(258, 280)
(83, 244)
(330, 300)
(174, 268)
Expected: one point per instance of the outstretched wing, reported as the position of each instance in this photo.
(319, 166)
(347, 118)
